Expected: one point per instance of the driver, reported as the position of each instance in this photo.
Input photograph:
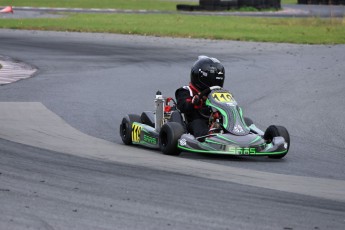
(205, 72)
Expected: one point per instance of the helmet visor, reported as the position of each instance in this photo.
(212, 79)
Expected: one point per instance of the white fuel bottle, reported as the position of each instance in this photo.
(159, 113)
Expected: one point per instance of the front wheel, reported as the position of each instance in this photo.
(126, 128)
(168, 137)
(276, 131)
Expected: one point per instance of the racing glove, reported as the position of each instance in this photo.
(196, 100)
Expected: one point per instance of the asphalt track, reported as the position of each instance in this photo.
(63, 165)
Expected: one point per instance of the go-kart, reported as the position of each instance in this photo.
(230, 132)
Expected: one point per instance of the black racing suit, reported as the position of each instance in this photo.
(196, 123)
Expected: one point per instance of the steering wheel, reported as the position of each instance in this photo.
(205, 92)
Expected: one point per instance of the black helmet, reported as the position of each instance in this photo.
(207, 72)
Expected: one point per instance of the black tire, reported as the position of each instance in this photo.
(304, 2)
(275, 131)
(248, 121)
(185, 7)
(126, 127)
(168, 137)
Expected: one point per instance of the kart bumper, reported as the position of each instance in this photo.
(188, 143)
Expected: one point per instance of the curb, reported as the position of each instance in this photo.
(13, 70)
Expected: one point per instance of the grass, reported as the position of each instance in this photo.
(289, 30)
(116, 4)
(288, 1)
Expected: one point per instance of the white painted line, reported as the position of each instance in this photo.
(4, 82)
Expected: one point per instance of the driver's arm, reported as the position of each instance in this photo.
(184, 101)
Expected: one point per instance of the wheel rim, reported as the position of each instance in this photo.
(124, 130)
(164, 139)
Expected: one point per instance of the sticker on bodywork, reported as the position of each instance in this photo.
(223, 97)
(136, 130)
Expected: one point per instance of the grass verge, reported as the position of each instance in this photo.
(102, 4)
(289, 30)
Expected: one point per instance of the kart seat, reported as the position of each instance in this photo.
(148, 118)
(176, 116)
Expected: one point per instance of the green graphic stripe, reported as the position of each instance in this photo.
(214, 142)
(207, 146)
(229, 153)
(242, 119)
(270, 153)
(208, 103)
(255, 140)
(234, 115)
(219, 143)
(224, 138)
(268, 146)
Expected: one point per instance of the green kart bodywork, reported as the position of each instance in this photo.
(221, 144)
(236, 135)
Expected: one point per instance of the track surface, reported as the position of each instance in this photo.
(92, 80)
(49, 190)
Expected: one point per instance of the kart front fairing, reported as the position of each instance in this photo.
(236, 138)
(228, 144)
(232, 117)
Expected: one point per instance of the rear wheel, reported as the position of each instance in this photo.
(275, 131)
(126, 127)
(168, 137)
